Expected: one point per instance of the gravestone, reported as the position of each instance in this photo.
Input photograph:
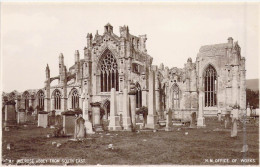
(169, 121)
(21, 116)
(89, 128)
(126, 113)
(79, 128)
(248, 111)
(43, 119)
(51, 118)
(68, 123)
(193, 120)
(227, 120)
(219, 115)
(10, 114)
(234, 127)
(58, 120)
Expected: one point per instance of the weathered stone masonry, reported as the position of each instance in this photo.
(112, 61)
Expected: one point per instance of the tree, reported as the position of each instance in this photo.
(252, 97)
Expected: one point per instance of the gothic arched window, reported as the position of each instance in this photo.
(26, 98)
(210, 86)
(57, 100)
(138, 96)
(163, 97)
(41, 99)
(74, 99)
(109, 72)
(175, 97)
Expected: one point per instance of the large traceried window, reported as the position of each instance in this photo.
(138, 96)
(74, 99)
(26, 98)
(210, 86)
(57, 100)
(109, 72)
(175, 97)
(41, 99)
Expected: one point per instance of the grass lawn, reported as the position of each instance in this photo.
(200, 146)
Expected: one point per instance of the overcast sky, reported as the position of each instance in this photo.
(34, 34)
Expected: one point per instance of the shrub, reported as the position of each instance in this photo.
(143, 110)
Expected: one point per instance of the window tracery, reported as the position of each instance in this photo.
(109, 73)
(210, 87)
(41, 99)
(57, 100)
(75, 99)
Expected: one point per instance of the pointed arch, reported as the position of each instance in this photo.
(163, 96)
(108, 67)
(210, 86)
(26, 97)
(175, 91)
(74, 98)
(40, 97)
(138, 95)
(56, 95)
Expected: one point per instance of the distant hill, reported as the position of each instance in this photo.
(252, 84)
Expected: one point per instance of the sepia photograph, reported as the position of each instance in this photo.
(130, 83)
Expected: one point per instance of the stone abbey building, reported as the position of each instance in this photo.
(213, 82)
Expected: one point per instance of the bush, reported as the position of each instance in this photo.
(143, 110)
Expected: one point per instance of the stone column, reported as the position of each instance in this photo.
(126, 114)
(169, 121)
(151, 118)
(132, 96)
(114, 118)
(201, 119)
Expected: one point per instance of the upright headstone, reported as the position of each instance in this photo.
(21, 118)
(219, 115)
(234, 127)
(248, 111)
(43, 119)
(51, 118)
(201, 119)
(151, 118)
(126, 114)
(68, 123)
(114, 123)
(169, 121)
(58, 120)
(79, 128)
(193, 120)
(227, 120)
(10, 114)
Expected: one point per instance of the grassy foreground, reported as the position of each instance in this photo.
(29, 145)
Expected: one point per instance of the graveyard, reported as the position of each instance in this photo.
(183, 145)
